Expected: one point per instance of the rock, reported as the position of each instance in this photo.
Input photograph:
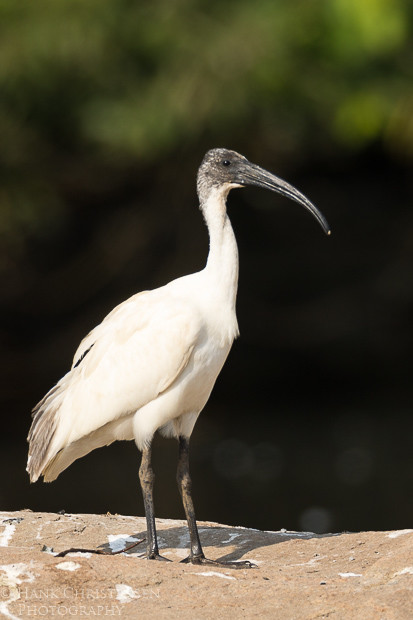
(367, 575)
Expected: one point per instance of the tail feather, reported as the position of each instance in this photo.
(42, 432)
(49, 458)
(103, 436)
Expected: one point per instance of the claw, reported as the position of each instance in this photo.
(156, 556)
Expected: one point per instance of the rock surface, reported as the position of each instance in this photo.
(368, 575)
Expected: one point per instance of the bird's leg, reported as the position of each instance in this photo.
(185, 486)
(196, 555)
(147, 477)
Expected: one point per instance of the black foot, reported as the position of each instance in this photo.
(156, 556)
(201, 560)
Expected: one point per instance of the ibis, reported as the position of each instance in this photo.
(151, 364)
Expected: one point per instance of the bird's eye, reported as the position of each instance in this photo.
(226, 162)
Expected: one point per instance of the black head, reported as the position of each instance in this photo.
(222, 168)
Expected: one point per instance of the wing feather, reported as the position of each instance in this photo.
(136, 353)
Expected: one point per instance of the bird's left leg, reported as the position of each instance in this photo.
(147, 478)
(196, 555)
(185, 485)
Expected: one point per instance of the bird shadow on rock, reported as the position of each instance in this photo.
(238, 541)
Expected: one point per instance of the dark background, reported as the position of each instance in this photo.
(106, 111)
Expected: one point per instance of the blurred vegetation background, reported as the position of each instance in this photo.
(106, 110)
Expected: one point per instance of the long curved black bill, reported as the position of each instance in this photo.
(250, 174)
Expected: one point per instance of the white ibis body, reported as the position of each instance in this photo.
(153, 361)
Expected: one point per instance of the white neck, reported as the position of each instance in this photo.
(222, 264)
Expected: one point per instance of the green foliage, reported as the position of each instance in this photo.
(98, 80)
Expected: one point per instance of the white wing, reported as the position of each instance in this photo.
(120, 315)
(135, 354)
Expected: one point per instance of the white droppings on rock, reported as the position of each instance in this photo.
(231, 538)
(15, 574)
(125, 594)
(399, 533)
(405, 571)
(71, 566)
(79, 554)
(212, 573)
(345, 575)
(284, 532)
(7, 534)
(39, 532)
(317, 557)
(118, 542)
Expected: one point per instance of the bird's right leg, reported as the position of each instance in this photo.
(147, 478)
(196, 555)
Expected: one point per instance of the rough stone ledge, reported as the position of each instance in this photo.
(367, 575)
